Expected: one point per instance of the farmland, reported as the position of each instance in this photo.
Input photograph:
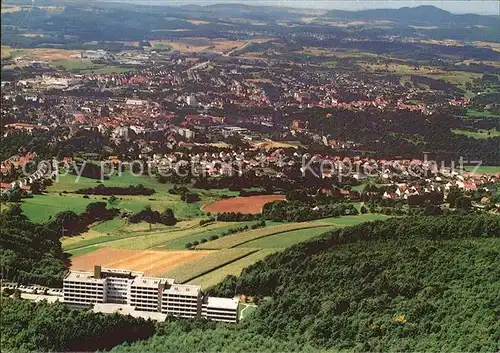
(137, 236)
(241, 238)
(234, 268)
(192, 45)
(251, 204)
(269, 144)
(483, 114)
(158, 251)
(180, 243)
(283, 240)
(161, 250)
(454, 77)
(60, 197)
(206, 264)
(43, 54)
(150, 262)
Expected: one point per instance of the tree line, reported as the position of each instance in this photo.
(102, 189)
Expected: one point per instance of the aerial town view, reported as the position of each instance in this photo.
(250, 176)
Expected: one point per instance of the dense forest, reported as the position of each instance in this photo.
(30, 252)
(413, 283)
(28, 326)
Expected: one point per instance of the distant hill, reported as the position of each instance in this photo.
(425, 14)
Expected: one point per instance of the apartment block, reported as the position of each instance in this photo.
(181, 300)
(145, 292)
(81, 289)
(220, 309)
(131, 290)
(104, 285)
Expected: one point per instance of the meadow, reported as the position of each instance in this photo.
(213, 261)
(483, 169)
(72, 183)
(483, 114)
(42, 208)
(479, 134)
(60, 197)
(83, 66)
(283, 240)
(234, 268)
(236, 239)
(137, 236)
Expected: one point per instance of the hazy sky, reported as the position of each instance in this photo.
(490, 7)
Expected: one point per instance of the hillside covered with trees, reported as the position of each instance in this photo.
(30, 252)
(28, 326)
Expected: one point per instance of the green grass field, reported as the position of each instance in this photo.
(352, 220)
(217, 259)
(483, 169)
(109, 226)
(479, 134)
(234, 268)
(81, 66)
(233, 240)
(42, 208)
(60, 197)
(453, 77)
(485, 114)
(83, 251)
(244, 310)
(203, 234)
(72, 183)
(138, 236)
(286, 239)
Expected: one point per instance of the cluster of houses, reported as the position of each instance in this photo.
(24, 182)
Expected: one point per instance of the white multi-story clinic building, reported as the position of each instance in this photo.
(138, 293)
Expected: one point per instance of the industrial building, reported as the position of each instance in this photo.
(134, 291)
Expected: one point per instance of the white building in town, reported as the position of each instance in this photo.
(191, 100)
(123, 290)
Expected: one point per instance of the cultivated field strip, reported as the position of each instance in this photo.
(234, 268)
(236, 239)
(153, 263)
(138, 239)
(206, 264)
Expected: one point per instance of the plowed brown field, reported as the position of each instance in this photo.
(150, 262)
(250, 204)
